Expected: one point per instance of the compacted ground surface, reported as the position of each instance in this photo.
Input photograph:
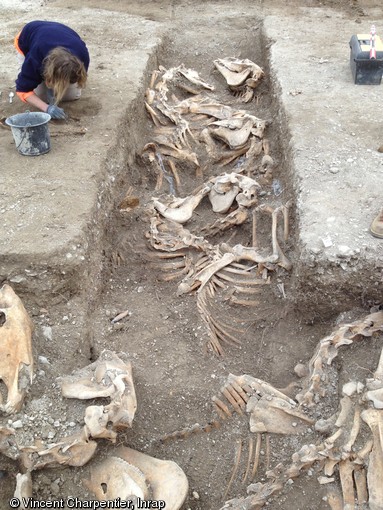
(106, 266)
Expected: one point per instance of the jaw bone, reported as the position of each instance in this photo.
(16, 361)
(75, 450)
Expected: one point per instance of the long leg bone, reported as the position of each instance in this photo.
(346, 470)
(374, 419)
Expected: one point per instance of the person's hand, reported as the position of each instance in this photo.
(55, 112)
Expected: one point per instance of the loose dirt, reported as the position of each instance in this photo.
(175, 373)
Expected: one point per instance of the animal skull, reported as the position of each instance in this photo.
(16, 361)
(130, 474)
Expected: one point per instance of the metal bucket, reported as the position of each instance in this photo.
(30, 132)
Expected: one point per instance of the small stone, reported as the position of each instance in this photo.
(44, 360)
(47, 332)
(18, 424)
(301, 370)
(344, 251)
(55, 488)
(327, 242)
(349, 388)
(195, 495)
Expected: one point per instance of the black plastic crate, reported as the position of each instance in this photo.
(366, 70)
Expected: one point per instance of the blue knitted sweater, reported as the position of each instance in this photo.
(36, 40)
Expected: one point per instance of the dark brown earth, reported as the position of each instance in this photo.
(175, 373)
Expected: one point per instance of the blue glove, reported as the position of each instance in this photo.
(55, 112)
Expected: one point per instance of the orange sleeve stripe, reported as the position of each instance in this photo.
(23, 95)
(16, 43)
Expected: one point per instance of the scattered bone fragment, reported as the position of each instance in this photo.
(323, 480)
(16, 360)
(23, 488)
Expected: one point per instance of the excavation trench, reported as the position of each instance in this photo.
(163, 333)
(175, 373)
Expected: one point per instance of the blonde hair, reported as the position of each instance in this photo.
(60, 69)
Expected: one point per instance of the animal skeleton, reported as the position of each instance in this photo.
(175, 121)
(360, 467)
(359, 461)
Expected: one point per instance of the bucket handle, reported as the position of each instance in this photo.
(24, 131)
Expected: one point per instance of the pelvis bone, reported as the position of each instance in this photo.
(181, 209)
(130, 474)
(109, 376)
(226, 189)
(16, 361)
